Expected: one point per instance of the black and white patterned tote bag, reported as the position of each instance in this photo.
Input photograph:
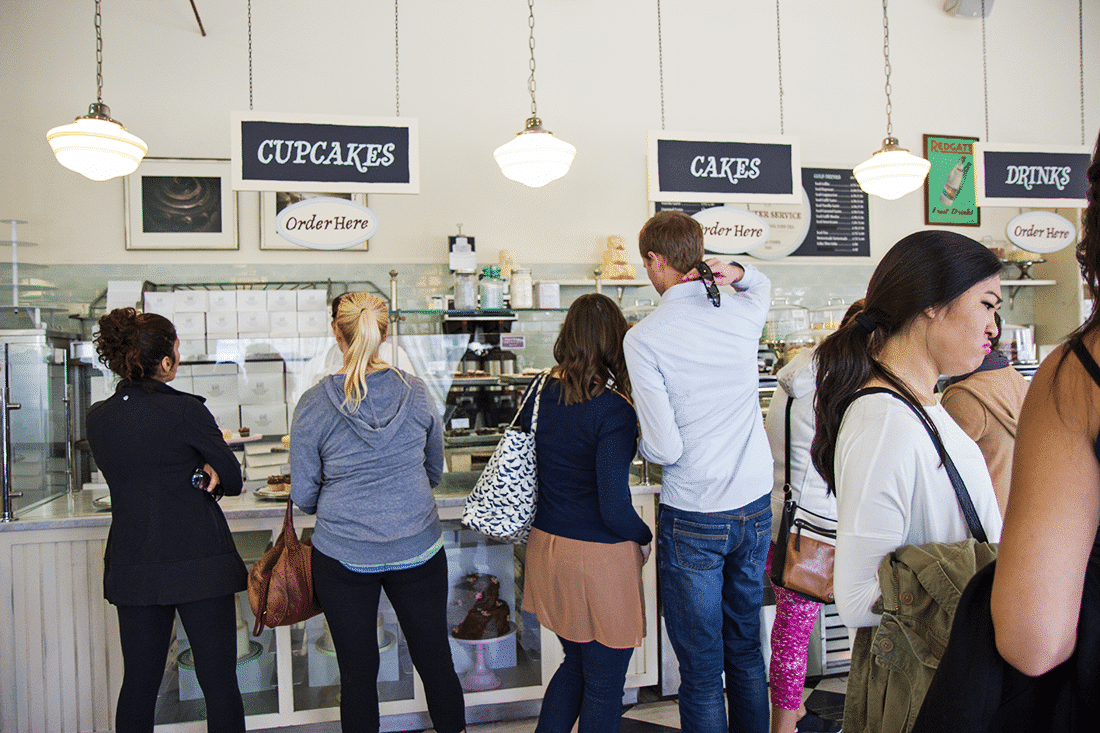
(502, 502)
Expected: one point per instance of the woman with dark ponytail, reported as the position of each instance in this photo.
(169, 550)
(928, 312)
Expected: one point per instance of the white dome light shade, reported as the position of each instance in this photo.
(891, 172)
(535, 157)
(97, 148)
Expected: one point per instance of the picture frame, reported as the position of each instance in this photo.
(951, 200)
(272, 202)
(180, 204)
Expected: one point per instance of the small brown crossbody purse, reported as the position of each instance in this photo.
(806, 543)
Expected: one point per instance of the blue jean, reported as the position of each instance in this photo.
(588, 685)
(711, 571)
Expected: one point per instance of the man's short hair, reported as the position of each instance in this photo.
(675, 236)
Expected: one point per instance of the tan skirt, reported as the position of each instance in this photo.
(585, 591)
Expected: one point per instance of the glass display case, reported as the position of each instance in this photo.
(35, 387)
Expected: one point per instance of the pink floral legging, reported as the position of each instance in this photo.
(795, 616)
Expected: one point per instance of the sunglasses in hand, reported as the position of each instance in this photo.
(706, 276)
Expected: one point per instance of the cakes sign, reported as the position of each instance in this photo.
(327, 153)
(1041, 231)
(692, 167)
(326, 223)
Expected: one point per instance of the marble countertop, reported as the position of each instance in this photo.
(76, 509)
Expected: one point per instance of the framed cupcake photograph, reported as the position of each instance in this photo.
(180, 204)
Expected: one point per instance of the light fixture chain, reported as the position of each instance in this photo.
(98, 54)
(661, 63)
(779, 54)
(886, 56)
(396, 59)
(985, 75)
(531, 45)
(1081, 63)
(249, 55)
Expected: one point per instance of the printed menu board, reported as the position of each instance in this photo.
(839, 224)
(837, 211)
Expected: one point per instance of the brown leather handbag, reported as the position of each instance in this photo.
(806, 543)
(280, 584)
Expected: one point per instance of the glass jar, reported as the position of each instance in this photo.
(465, 290)
(522, 293)
(829, 316)
(492, 289)
(784, 318)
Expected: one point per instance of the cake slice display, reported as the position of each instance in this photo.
(488, 614)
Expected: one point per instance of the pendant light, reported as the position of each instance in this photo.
(893, 171)
(95, 146)
(534, 157)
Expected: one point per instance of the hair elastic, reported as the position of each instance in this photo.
(866, 322)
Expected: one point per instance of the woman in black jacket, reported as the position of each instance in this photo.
(169, 550)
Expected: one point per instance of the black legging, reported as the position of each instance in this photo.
(146, 634)
(419, 597)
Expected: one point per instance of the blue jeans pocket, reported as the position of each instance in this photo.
(699, 546)
(762, 528)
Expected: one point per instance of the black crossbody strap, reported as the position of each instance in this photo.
(787, 440)
(1086, 360)
(967, 506)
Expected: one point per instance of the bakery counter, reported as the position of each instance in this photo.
(60, 658)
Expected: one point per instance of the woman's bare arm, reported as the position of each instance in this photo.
(1052, 518)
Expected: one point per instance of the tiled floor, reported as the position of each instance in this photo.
(663, 716)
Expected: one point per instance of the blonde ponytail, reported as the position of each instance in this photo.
(363, 322)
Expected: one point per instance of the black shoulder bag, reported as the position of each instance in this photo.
(996, 697)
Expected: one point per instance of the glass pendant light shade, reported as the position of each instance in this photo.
(97, 147)
(891, 172)
(535, 157)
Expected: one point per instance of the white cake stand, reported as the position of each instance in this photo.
(480, 677)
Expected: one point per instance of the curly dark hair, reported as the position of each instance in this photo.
(132, 344)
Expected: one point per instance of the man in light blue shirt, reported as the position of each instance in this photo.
(693, 370)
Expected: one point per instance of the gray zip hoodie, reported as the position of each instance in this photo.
(368, 474)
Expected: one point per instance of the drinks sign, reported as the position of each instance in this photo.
(701, 167)
(326, 153)
(949, 195)
(1028, 175)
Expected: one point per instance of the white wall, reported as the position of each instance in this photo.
(463, 76)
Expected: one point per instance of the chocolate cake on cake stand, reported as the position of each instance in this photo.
(480, 678)
(485, 623)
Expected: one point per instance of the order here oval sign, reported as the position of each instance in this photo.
(326, 223)
(731, 231)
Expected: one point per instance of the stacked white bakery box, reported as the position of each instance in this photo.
(252, 354)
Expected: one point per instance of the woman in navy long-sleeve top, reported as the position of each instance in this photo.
(588, 544)
(169, 549)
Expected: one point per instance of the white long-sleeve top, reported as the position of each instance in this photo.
(797, 381)
(694, 376)
(892, 490)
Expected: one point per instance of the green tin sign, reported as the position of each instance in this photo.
(949, 189)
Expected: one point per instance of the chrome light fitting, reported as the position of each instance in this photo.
(534, 157)
(96, 146)
(893, 171)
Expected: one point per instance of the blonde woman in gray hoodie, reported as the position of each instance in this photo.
(366, 451)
